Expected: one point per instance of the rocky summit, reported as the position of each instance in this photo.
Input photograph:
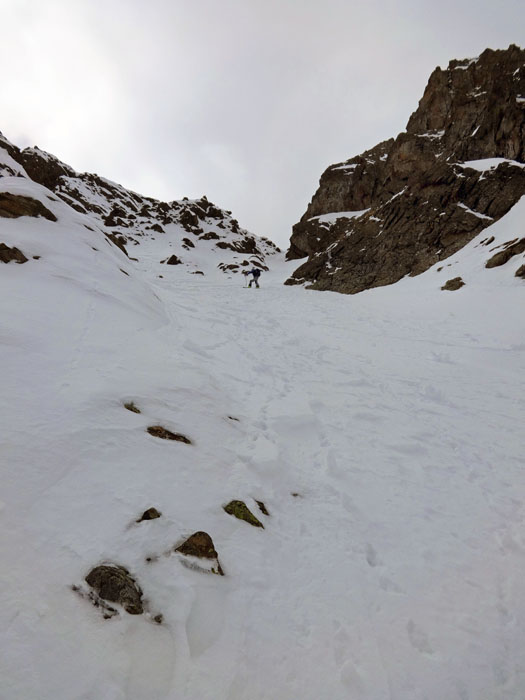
(407, 203)
(181, 232)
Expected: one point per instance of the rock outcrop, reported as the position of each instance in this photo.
(13, 206)
(128, 218)
(453, 284)
(411, 201)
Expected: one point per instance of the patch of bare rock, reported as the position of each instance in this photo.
(125, 217)
(510, 249)
(240, 510)
(149, 514)
(453, 284)
(200, 545)
(160, 432)
(114, 583)
(8, 254)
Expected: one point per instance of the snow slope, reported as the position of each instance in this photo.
(383, 431)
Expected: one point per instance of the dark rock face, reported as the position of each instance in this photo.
(409, 202)
(114, 583)
(8, 254)
(13, 206)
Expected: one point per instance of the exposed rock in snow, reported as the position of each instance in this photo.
(453, 284)
(200, 545)
(12, 206)
(240, 510)
(160, 432)
(8, 254)
(149, 514)
(128, 218)
(115, 583)
(510, 249)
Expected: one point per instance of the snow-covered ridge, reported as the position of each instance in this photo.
(196, 235)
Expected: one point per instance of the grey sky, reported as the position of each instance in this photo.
(246, 101)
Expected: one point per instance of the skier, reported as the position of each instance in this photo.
(255, 273)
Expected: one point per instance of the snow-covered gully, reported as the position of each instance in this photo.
(382, 431)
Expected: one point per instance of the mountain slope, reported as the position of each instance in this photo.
(190, 233)
(411, 201)
(382, 433)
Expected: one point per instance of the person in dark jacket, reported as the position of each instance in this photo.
(255, 273)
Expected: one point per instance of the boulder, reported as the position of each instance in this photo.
(200, 545)
(11, 254)
(114, 583)
(240, 510)
(13, 206)
(149, 514)
(453, 284)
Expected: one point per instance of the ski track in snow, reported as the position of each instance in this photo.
(383, 433)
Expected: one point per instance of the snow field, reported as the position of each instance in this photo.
(383, 432)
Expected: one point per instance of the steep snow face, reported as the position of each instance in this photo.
(382, 432)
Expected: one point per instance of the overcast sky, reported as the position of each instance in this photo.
(246, 101)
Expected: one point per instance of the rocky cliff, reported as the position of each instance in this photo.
(184, 231)
(400, 207)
